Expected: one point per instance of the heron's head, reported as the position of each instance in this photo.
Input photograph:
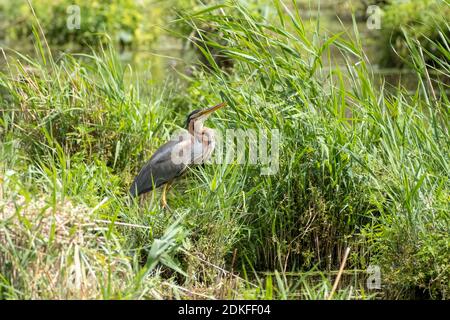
(196, 118)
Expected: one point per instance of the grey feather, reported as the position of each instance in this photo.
(159, 170)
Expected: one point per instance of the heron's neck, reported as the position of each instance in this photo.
(203, 135)
(196, 129)
(207, 139)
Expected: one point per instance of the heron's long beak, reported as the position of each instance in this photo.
(210, 110)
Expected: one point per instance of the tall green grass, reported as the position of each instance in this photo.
(361, 165)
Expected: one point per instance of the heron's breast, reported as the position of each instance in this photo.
(202, 150)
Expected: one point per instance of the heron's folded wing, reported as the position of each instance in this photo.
(160, 169)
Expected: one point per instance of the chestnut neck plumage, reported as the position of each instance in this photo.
(203, 135)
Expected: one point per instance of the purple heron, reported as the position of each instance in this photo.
(173, 158)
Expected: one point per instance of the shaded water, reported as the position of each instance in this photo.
(169, 58)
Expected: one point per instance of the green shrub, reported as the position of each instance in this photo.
(414, 255)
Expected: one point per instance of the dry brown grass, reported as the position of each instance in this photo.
(63, 252)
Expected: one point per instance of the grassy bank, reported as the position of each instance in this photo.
(360, 166)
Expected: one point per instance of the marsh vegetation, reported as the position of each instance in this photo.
(363, 159)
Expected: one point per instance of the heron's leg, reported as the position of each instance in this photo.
(164, 191)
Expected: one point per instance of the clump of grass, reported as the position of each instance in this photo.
(53, 249)
(75, 266)
(354, 156)
(52, 102)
